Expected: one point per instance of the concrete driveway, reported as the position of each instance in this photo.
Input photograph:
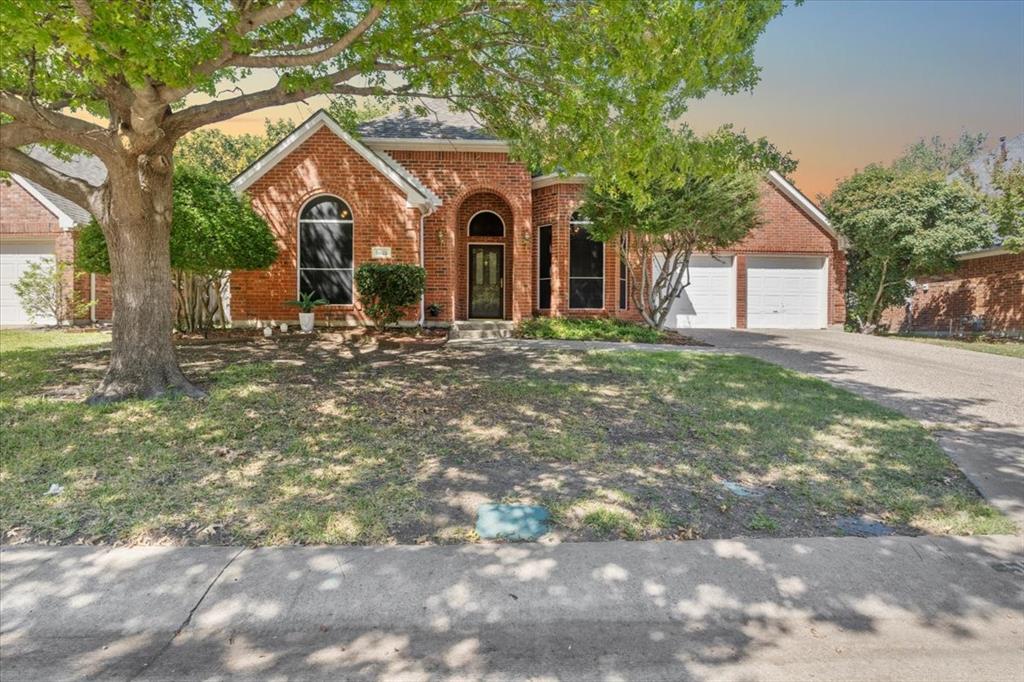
(973, 401)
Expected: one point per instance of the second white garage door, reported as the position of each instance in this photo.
(786, 292)
(15, 257)
(709, 301)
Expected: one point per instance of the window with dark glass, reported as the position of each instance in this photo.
(623, 272)
(586, 266)
(544, 267)
(486, 224)
(325, 250)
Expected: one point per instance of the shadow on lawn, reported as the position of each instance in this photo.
(736, 608)
(323, 439)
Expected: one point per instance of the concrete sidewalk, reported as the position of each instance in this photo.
(822, 608)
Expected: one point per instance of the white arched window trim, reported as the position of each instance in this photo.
(496, 215)
(298, 241)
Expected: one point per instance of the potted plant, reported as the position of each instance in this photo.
(307, 303)
(434, 309)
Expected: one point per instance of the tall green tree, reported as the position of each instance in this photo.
(936, 155)
(704, 199)
(224, 155)
(1006, 206)
(901, 225)
(213, 232)
(562, 79)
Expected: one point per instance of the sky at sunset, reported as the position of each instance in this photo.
(845, 83)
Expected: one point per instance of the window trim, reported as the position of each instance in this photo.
(604, 262)
(486, 236)
(298, 244)
(623, 272)
(551, 228)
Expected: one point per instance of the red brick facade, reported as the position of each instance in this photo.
(466, 182)
(990, 288)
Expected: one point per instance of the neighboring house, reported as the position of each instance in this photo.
(986, 290)
(496, 242)
(36, 223)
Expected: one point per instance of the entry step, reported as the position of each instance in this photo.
(481, 329)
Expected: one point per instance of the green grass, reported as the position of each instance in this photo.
(318, 440)
(762, 522)
(1007, 347)
(589, 329)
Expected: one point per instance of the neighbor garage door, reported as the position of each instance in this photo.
(15, 256)
(710, 299)
(786, 292)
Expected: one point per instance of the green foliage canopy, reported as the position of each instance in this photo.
(213, 230)
(704, 200)
(901, 225)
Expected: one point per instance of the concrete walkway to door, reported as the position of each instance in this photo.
(973, 401)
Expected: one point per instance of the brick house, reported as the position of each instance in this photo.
(985, 292)
(496, 241)
(36, 223)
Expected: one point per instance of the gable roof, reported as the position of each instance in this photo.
(416, 193)
(440, 124)
(82, 166)
(981, 166)
(440, 129)
(787, 188)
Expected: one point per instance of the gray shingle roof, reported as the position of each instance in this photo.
(441, 123)
(83, 166)
(981, 166)
(979, 171)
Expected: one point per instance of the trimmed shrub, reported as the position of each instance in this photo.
(385, 288)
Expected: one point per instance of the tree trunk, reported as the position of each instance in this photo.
(874, 311)
(137, 226)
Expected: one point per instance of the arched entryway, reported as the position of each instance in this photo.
(485, 226)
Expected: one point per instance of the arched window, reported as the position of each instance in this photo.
(325, 250)
(586, 266)
(486, 224)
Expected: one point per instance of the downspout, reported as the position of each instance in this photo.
(92, 296)
(431, 208)
(423, 264)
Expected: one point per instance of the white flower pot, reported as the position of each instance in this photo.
(306, 321)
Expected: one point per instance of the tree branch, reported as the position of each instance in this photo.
(312, 58)
(54, 126)
(74, 189)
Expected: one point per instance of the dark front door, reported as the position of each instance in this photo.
(486, 281)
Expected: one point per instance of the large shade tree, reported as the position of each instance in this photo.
(558, 77)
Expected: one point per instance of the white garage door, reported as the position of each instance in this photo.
(786, 292)
(15, 256)
(710, 300)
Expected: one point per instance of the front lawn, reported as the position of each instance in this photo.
(339, 439)
(1009, 347)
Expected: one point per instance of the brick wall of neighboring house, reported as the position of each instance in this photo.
(990, 287)
(22, 213)
(24, 217)
(786, 229)
(323, 164)
(458, 178)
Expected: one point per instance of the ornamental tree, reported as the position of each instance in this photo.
(561, 79)
(901, 225)
(700, 195)
(213, 231)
